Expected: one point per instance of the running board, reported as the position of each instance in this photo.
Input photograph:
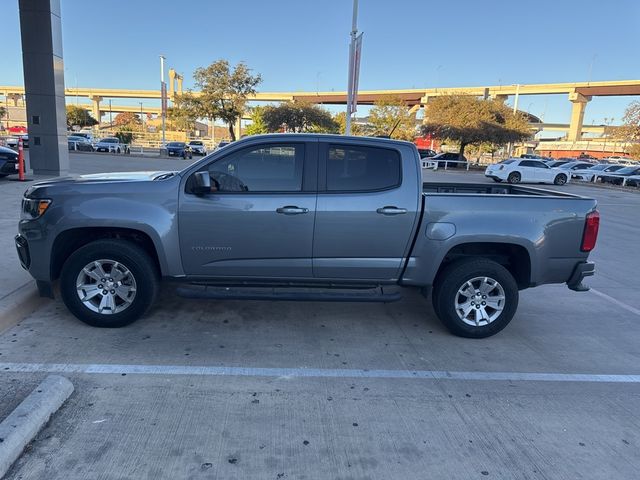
(378, 294)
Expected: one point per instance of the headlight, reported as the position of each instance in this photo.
(33, 208)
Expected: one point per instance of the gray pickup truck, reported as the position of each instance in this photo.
(302, 217)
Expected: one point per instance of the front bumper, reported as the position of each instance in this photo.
(581, 270)
(9, 167)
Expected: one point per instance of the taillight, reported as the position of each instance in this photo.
(590, 235)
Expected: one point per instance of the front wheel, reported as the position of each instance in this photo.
(560, 179)
(475, 297)
(109, 283)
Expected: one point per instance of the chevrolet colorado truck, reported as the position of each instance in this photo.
(302, 217)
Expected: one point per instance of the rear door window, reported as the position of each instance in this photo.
(362, 169)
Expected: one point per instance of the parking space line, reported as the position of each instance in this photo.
(291, 373)
(628, 308)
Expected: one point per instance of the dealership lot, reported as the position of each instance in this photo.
(206, 389)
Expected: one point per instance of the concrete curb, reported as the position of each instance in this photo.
(18, 304)
(22, 425)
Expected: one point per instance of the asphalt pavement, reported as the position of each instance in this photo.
(278, 390)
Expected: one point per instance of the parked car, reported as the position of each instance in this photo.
(362, 216)
(589, 174)
(575, 166)
(618, 176)
(13, 141)
(426, 153)
(179, 149)
(518, 170)
(559, 163)
(79, 143)
(111, 145)
(197, 147)
(633, 181)
(8, 161)
(87, 135)
(450, 160)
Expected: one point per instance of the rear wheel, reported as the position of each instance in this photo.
(475, 297)
(514, 177)
(109, 283)
(560, 179)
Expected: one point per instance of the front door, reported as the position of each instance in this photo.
(365, 214)
(258, 219)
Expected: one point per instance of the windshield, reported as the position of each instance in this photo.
(197, 144)
(175, 144)
(507, 162)
(109, 140)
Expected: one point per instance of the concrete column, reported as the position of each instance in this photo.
(172, 81)
(424, 101)
(95, 108)
(41, 32)
(179, 84)
(579, 104)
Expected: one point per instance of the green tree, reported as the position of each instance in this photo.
(392, 118)
(79, 116)
(257, 125)
(468, 120)
(630, 129)
(340, 120)
(298, 117)
(128, 119)
(184, 112)
(224, 91)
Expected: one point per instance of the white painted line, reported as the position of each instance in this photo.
(290, 373)
(628, 308)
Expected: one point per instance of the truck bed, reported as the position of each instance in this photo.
(488, 189)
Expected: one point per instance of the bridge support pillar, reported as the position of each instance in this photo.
(579, 104)
(95, 107)
(499, 97)
(41, 34)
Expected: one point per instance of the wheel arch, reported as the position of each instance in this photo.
(514, 257)
(68, 241)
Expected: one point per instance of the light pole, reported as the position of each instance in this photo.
(163, 95)
(141, 116)
(110, 117)
(352, 48)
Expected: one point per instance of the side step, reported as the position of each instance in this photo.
(377, 294)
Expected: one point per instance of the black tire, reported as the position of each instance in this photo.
(514, 177)
(454, 277)
(127, 254)
(560, 179)
(497, 180)
(118, 150)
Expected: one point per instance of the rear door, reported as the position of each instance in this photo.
(368, 203)
(258, 220)
(528, 171)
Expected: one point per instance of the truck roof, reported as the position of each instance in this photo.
(324, 136)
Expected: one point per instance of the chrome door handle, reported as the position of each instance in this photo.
(291, 210)
(391, 210)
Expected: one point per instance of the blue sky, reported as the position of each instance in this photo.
(303, 45)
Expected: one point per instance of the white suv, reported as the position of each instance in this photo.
(516, 170)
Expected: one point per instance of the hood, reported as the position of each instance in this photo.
(101, 178)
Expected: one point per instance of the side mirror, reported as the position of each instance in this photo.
(202, 183)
